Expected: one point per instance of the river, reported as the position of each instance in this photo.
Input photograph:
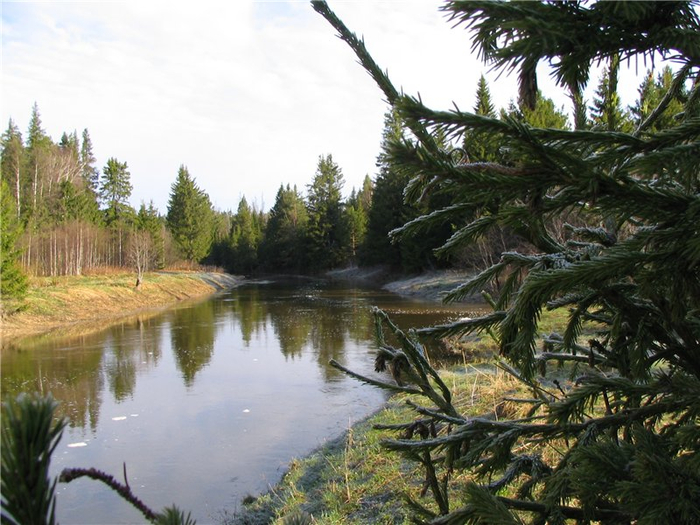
(208, 402)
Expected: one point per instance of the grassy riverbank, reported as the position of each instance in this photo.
(354, 480)
(84, 302)
(79, 303)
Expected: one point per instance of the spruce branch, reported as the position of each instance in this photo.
(70, 474)
(672, 93)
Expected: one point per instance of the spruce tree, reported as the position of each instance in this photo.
(89, 172)
(149, 221)
(651, 92)
(327, 234)
(388, 210)
(13, 281)
(480, 147)
(543, 114)
(115, 190)
(12, 164)
(283, 245)
(607, 112)
(189, 217)
(38, 151)
(244, 239)
(356, 217)
(620, 442)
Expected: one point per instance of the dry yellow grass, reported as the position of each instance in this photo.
(66, 302)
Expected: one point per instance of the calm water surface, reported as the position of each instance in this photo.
(208, 401)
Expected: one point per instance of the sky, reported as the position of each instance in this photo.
(246, 94)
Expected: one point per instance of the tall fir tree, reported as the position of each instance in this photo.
(356, 217)
(365, 194)
(544, 114)
(13, 281)
(149, 221)
(245, 239)
(618, 442)
(480, 147)
(388, 211)
(327, 233)
(651, 93)
(11, 164)
(189, 217)
(607, 111)
(283, 245)
(115, 190)
(88, 169)
(38, 150)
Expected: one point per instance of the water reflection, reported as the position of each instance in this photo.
(206, 402)
(192, 335)
(73, 377)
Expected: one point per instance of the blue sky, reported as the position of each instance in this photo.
(246, 94)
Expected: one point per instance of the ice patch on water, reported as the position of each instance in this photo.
(119, 418)
(78, 444)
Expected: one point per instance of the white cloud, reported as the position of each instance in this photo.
(246, 94)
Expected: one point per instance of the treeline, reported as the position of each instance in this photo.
(62, 215)
(69, 217)
(316, 230)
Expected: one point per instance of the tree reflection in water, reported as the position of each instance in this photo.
(265, 349)
(192, 334)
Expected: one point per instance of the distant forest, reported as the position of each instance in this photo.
(62, 215)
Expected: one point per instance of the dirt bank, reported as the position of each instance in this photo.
(82, 302)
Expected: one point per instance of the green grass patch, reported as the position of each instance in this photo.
(354, 480)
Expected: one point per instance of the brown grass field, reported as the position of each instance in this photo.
(83, 302)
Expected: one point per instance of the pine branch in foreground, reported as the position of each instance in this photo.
(611, 434)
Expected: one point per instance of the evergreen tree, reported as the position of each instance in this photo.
(11, 165)
(36, 135)
(39, 146)
(479, 147)
(619, 443)
(245, 238)
(327, 232)
(189, 217)
(69, 205)
(483, 105)
(356, 217)
(607, 112)
(115, 190)
(283, 245)
(69, 144)
(13, 282)
(543, 114)
(651, 93)
(149, 221)
(386, 243)
(388, 210)
(221, 251)
(364, 196)
(89, 172)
